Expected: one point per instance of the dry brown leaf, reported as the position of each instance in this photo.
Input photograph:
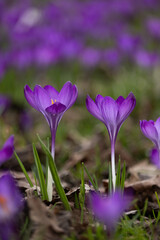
(47, 224)
(22, 181)
(142, 171)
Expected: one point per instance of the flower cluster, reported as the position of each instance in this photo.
(91, 32)
(53, 104)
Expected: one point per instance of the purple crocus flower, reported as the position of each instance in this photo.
(10, 205)
(112, 113)
(90, 57)
(151, 130)
(25, 121)
(7, 150)
(153, 25)
(154, 156)
(108, 209)
(146, 59)
(52, 104)
(112, 57)
(4, 103)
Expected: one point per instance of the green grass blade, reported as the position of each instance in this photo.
(153, 212)
(23, 169)
(90, 178)
(40, 174)
(76, 201)
(158, 217)
(55, 176)
(123, 177)
(157, 199)
(145, 207)
(24, 227)
(95, 180)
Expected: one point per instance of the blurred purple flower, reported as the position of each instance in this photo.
(51, 103)
(109, 209)
(112, 57)
(151, 130)
(90, 57)
(112, 113)
(124, 8)
(25, 121)
(45, 55)
(4, 103)
(22, 58)
(7, 150)
(154, 156)
(128, 43)
(146, 59)
(57, 31)
(10, 205)
(153, 26)
(71, 49)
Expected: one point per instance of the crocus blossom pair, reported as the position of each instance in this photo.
(53, 104)
(108, 209)
(151, 130)
(112, 113)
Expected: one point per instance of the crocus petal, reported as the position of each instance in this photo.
(99, 100)
(74, 96)
(93, 109)
(119, 100)
(7, 150)
(65, 94)
(149, 130)
(9, 142)
(157, 126)
(43, 100)
(110, 111)
(29, 95)
(52, 92)
(125, 107)
(154, 156)
(56, 108)
(10, 193)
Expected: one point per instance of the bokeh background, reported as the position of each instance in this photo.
(104, 47)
